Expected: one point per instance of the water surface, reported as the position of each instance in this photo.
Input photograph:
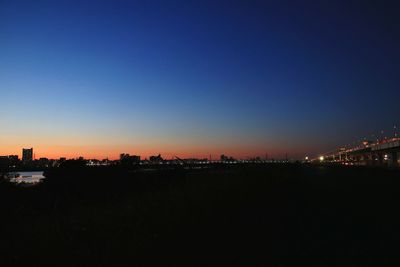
(28, 177)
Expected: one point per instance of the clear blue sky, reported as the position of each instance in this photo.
(96, 78)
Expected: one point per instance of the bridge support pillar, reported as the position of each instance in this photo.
(380, 159)
(394, 159)
(369, 159)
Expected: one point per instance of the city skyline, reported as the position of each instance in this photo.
(166, 156)
(190, 79)
(382, 136)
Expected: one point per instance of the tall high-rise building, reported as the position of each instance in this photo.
(27, 154)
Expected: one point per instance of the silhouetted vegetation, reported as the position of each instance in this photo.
(228, 215)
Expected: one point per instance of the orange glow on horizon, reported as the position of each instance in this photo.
(168, 147)
(70, 152)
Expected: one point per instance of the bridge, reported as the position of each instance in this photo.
(381, 153)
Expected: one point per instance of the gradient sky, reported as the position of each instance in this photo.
(193, 78)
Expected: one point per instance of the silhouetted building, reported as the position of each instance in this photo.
(43, 162)
(4, 163)
(14, 160)
(105, 162)
(126, 159)
(27, 154)
(13, 157)
(226, 158)
(156, 159)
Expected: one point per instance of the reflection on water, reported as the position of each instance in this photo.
(27, 177)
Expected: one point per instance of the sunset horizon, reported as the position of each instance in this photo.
(194, 79)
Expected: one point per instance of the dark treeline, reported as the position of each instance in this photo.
(228, 215)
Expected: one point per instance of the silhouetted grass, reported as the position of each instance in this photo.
(254, 215)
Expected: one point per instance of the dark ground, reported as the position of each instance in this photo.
(277, 215)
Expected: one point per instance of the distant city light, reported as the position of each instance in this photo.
(321, 158)
(306, 158)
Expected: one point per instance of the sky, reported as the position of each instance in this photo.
(196, 78)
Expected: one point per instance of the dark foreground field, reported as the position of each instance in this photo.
(278, 215)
